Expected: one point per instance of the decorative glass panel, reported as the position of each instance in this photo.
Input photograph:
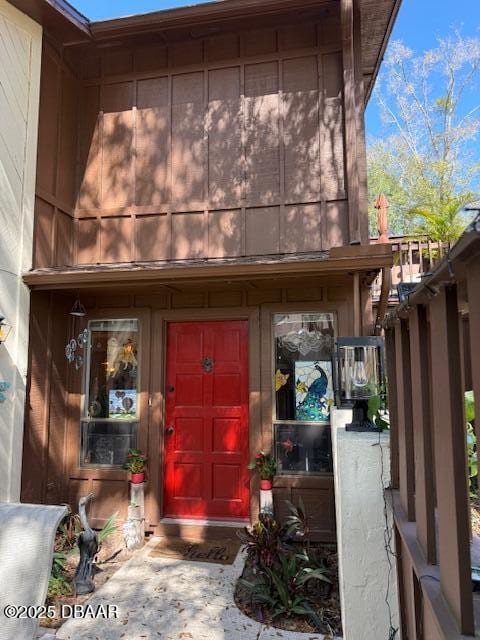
(303, 349)
(107, 443)
(303, 448)
(111, 410)
(303, 387)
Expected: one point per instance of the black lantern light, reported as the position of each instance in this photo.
(359, 377)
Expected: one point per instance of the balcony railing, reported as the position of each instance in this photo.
(413, 258)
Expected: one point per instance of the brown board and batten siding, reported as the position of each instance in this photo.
(227, 146)
(51, 471)
(56, 165)
(216, 160)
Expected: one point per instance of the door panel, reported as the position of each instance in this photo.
(207, 453)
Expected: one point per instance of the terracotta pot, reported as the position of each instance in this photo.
(138, 478)
(265, 485)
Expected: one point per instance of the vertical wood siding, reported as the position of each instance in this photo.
(51, 471)
(226, 146)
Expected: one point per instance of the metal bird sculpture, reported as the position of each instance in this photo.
(314, 405)
(88, 545)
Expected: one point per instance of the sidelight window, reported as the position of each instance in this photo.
(303, 391)
(110, 411)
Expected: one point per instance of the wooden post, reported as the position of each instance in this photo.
(473, 283)
(361, 158)
(424, 462)
(392, 405)
(357, 305)
(450, 468)
(351, 131)
(406, 459)
(382, 205)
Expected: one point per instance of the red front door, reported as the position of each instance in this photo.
(206, 426)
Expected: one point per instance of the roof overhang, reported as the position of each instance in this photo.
(338, 261)
(70, 27)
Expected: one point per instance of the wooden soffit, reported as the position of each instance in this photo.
(341, 260)
(67, 25)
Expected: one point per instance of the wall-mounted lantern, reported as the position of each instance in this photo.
(5, 329)
(359, 377)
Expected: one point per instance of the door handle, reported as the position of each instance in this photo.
(169, 430)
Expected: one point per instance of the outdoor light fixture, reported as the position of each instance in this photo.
(78, 309)
(5, 329)
(359, 377)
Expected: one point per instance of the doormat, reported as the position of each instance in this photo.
(217, 551)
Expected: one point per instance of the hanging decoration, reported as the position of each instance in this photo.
(81, 341)
(71, 347)
(281, 379)
(305, 341)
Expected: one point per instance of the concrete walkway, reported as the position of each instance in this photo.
(166, 599)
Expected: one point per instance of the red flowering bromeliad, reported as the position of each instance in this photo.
(266, 467)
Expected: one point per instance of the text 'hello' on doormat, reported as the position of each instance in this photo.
(216, 551)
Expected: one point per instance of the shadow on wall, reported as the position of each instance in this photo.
(189, 167)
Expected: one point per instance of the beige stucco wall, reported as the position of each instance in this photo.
(367, 574)
(20, 56)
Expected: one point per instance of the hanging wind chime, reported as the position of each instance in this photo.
(80, 342)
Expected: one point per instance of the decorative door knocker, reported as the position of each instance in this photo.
(207, 364)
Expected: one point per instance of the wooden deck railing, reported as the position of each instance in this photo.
(413, 258)
(433, 357)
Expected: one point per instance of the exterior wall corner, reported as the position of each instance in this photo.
(367, 573)
(20, 80)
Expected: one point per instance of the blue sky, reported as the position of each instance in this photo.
(418, 24)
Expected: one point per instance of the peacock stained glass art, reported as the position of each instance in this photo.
(303, 350)
(313, 391)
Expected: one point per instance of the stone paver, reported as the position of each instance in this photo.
(159, 598)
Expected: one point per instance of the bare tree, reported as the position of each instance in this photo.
(430, 105)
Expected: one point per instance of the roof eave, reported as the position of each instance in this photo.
(338, 260)
(381, 53)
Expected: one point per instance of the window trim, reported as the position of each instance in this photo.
(84, 418)
(274, 419)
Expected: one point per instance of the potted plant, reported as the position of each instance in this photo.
(266, 467)
(135, 463)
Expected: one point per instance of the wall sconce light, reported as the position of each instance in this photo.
(5, 329)
(359, 377)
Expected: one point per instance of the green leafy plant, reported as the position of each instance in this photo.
(471, 443)
(60, 586)
(265, 465)
(297, 521)
(263, 541)
(282, 570)
(378, 409)
(376, 413)
(135, 462)
(108, 528)
(68, 532)
(58, 583)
